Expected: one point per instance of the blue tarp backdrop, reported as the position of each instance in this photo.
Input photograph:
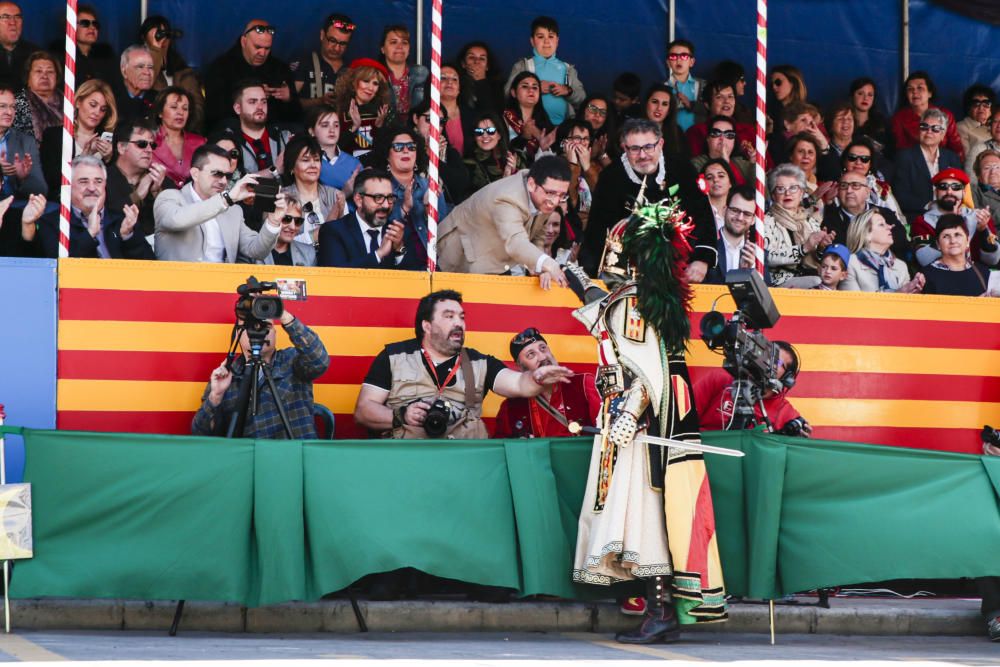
(832, 41)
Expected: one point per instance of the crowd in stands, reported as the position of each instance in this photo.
(167, 160)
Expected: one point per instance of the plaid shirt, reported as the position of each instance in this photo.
(293, 371)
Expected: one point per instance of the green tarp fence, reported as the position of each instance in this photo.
(260, 522)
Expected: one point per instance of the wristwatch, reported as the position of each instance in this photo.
(399, 416)
(227, 198)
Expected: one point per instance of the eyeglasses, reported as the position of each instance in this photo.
(978, 102)
(480, 131)
(344, 26)
(777, 83)
(728, 134)
(335, 41)
(143, 144)
(400, 146)
(954, 187)
(790, 190)
(261, 29)
(234, 154)
(927, 127)
(679, 56)
(380, 198)
(863, 159)
(646, 148)
(297, 219)
(16, 18)
(740, 213)
(88, 23)
(597, 111)
(561, 197)
(853, 186)
(215, 173)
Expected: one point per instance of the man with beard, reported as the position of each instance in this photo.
(434, 368)
(366, 239)
(644, 162)
(259, 143)
(316, 73)
(560, 411)
(949, 188)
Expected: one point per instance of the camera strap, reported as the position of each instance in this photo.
(451, 374)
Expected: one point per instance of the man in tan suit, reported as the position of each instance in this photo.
(503, 224)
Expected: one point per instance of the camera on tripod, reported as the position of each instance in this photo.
(255, 308)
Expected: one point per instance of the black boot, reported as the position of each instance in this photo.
(659, 624)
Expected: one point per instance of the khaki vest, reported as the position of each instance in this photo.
(411, 381)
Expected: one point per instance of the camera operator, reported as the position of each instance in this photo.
(420, 388)
(713, 398)
(293, 371)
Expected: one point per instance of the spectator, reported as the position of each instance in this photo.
(260, 142)
(407, 377)
(873, 266)
(986, 192)
(840, 121)
(251, 58)
(853, 199)
(736, 250)
(136, 178)
(660, 109)
(19, 159)
(316, 73)
(719, 181)
(95, 231)
(318, 203)
(918, 93)
(869, 123)
(687, 87)
(458, 118)
(363, 98)
(573, 141)
(643, 161)
(369, 238)
(530, 129)
(797, 118)
(787, 87)
(454, 174)
(861, 158)
(406, 82)
(480, 64)
(15, 51)
(803, 150)
(626, 90)
(94, 59)
(991, 143)
(978, 101)
(559, 242)
(134, 90)
(793, 235)
(338, 167)
(288, 251)
(917, 165)
(720, 100)
(954, 273)
(18, 228)
(559, 83)
(201, 222)
(720, 144)
(95, 119)
(293, 369)
(833, 267)
(560, 410)
(170, 68)
(39, 105)
(175, 140)
(949, 191)
(729, 71)
(597, 111)
(503, 224)
(225, 140)
(491, 160)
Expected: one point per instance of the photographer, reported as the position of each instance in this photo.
(713, 397)
(293, 371)
(419, 388)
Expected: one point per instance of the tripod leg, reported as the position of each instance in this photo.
(277, 401)
(177, 618)
(357, 611)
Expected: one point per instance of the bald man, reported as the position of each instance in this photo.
(251, 58)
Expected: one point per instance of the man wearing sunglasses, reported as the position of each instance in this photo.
(853, 199)
(315, 74)
(135, 178)
(949, 191)
(916, 165)
(201, 222)
(15, 51)
(251, 58)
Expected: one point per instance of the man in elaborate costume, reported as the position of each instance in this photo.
(647, 512)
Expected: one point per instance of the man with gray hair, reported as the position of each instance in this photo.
(95, 231)
(134, 91)
(643, 162)
(917, 165)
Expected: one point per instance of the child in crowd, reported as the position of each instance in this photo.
(833, 268)
(562, 91)
(626, 91)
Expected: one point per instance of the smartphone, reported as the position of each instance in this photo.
(264, 193)
(107, 136)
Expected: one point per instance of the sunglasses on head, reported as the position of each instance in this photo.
(863, 159)
(344, 26)
(401, 146)
(528, 336)
(716, 133)
(954, 187)
(480, 131)
(88, 23)
(297, 219)
(927, 127)
(261, 29)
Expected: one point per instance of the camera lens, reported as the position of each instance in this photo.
(436, 421)
(267, 308)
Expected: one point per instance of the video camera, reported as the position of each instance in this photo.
(257, 309)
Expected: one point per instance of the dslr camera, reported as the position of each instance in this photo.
(438, 416)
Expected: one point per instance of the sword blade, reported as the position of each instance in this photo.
(694, 446)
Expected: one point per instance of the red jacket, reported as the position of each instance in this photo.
(906, 130)
(523, 417)
(714, 403)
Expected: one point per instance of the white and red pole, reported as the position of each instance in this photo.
(760, 144)
(69, 95)
(434, 143)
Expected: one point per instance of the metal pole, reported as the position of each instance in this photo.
(434, 138)
(906, 38)
(143, 10)
(6, 563)
(420, 32)
(671, 23)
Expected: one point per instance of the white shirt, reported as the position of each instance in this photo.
(213, 247)
(733, 251)
(365, 228)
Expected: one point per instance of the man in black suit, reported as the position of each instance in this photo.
(14, 51)
(735, 250)
(366, 239)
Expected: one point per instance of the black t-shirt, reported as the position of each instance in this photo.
(282, 258)
(380, 374)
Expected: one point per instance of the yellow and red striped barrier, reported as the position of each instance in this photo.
(137, 341)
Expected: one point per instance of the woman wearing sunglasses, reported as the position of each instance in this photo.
(860, 157)
(175, 141)
(288, 250)
(492, 158)
(917, 165)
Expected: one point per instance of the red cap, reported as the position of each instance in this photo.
(951, 174)
(370, 62)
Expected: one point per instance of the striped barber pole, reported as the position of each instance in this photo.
(69, 95)
(760, 146)
(434, 143)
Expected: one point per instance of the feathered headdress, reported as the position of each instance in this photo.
(656, 240)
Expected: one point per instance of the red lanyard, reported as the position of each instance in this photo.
(430, 363)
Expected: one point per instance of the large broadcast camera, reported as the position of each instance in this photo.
(257, 309)
(749, 356)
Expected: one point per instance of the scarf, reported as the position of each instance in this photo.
(797, 224)
(44, 114)
(882, 265)
(661, 171)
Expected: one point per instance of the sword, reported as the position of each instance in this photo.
(680, 444)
